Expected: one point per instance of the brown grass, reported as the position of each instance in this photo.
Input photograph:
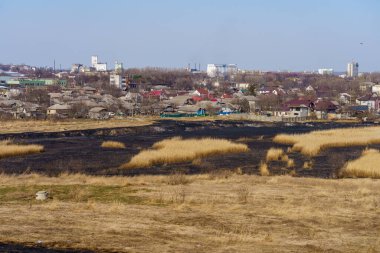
(5, 142)
(312, 143)
(276, 154)
(20, 126)
(264, 171)
(113, 144)
(290, 163)
(8, 149)
(145, 214)
(307, 165)
(368, 165)
(176, 150)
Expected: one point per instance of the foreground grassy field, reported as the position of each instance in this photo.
(220, 212)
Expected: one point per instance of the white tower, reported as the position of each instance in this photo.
(94, 61)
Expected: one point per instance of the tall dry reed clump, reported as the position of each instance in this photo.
(178, 150)
(312, 143)
(368, 165)
(8, 149)
(113, 144)
(276, 154)
(264, 171)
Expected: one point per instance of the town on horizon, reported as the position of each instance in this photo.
(98, 91)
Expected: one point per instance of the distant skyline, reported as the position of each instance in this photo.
(274, 35)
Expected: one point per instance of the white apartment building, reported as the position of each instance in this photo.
(118, 81)
(353, 69)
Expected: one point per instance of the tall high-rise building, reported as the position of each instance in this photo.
(352, 69)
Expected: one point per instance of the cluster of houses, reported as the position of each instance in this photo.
(97, 103)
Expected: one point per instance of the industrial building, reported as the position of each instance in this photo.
(325, 71)
(97, 65)
(221, 70)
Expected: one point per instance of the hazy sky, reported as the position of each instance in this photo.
(255, 34)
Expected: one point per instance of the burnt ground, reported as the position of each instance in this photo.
(19, 248)
(80, 151)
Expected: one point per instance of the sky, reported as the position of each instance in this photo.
(271, 35)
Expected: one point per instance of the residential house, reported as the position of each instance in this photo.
(376, 89)
(88, 90)
(370, 100)
(204, 94)
(325, 109)
(252, 100)
(98, 113)
(366, 86)
(58, 110)
(309, 88)
(299, 107)
(345, 98)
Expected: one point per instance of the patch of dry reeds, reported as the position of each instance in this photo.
(264, 171)
(8, 149)
(276, 154)
(290, 163)
(365, 166)
(179, 150)
(113, 144)
(307, 165)
(312, 143)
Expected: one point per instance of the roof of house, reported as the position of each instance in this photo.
(369, 97)
(196, 98)
(226, 95)
(97, 109)
(87, 88)
(60, 107)
(358, 108)
(325, 105)
(202, 91)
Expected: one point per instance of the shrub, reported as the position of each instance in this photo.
(177, 178)
(264, 171)
(276, 154)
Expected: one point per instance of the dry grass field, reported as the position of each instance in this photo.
(176, 149)
(8, 149)
(113, 144)
(21, 126)
(203, 213)
(312, 143)
(368, 165)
